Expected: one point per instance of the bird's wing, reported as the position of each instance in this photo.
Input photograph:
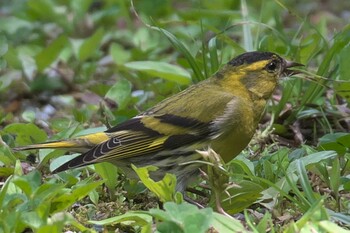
(144, 135)
(180, 121)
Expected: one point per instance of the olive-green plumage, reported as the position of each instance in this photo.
(221, 112)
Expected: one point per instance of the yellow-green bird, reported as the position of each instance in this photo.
(221, 112)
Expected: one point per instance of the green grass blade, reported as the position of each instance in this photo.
(198, 75)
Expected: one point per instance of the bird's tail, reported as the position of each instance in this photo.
(79, 144)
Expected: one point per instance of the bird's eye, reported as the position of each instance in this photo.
(272, 66)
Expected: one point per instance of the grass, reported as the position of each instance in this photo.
(72, 68)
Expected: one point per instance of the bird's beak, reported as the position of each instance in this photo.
(290, 64)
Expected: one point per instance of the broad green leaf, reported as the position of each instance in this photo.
(28, 183)
(60, 160)
(338, 142)
(239, 196)
(3, 45)
(5, 171)
(120, 93)
(311, 159)
(28, 65)
(28, 115)
(162, 70)
(41, 8)
(119, 54)
(242, 165)
(45, 192)
(80, 7)
(344, 140)
(133, 187)
(183, 217)
(334, 176)
(331, 227)
(340, 217)
(94, 197)
(333, 137)
(49, 54)
(7, 156)
(26, 133)
(56, 222)
(90, 45)
(222, 223)
(91, 131)
(344, 57)
(78, 192)
(164, 189)
(109, 173)
(32, 219)
(3, 191)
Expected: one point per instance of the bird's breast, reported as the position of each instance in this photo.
(237, 126)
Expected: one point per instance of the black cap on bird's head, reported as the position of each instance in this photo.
(251, 57)
(274, 62)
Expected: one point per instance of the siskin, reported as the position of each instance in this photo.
(221, 112)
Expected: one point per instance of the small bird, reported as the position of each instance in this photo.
(221, 112)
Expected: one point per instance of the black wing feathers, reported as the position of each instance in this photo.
(134, 124)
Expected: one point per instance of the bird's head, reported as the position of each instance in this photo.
(259, 72)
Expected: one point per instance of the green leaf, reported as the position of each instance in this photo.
(162, 70)
(91, 131)
(316, 212)
(331, 227)
(59, 161)
(26, 133)
(311, 159)
(164, 189)
(133, 187)
(3, 45)
(3, 191)
(213, 51)
(332, 137)
(344, 140)
(183, 217)
(338, 142)
(49, 54)
(304, 181)
(28, 115)
(264, 225)
(242, 165)
(78, 192)
(119, 54)
(340, 217)
(222, 223)
(28, 183)
(45, 192)
(344, 57)
(120, 93)
(32, 219)
(109, 173)
(198, 75)
(238, 197)
(334, 176)
(81, 7)
(90, 45)
(139, 218)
